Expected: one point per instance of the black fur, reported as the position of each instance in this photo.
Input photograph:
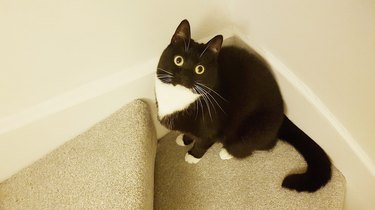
(243, 108)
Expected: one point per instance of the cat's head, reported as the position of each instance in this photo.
(188, 63)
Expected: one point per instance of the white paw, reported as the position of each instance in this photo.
(224, 155)
(179, 140)
(191, 159)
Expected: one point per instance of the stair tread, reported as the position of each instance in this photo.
(110, 166)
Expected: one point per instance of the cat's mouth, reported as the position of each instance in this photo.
(186, 84)
(177, 81)
(178, 84)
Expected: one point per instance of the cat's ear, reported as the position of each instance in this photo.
(214, 45)
(182, 32)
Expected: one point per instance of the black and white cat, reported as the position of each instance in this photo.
(221, 94)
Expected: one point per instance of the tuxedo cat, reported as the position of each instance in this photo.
(221, 94)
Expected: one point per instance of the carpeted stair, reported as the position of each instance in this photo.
(112, 166)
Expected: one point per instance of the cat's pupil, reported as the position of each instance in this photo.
(178, 60)
(199, 69)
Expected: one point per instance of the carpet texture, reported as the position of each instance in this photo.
(251, 183)
(110, 166)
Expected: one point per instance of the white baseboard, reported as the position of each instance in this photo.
(30, 134)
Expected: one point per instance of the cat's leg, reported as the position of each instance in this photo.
(244, 146)
(184, 140)
(195, 154)
(235, 148)
(255, 133)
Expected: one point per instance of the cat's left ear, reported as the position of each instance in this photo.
(182, 33)
(214, 45)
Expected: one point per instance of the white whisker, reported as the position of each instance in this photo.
(206, 100)
(199, 100)
(204, 86)
(201, 105)
(210, 96)
(208, 106)
(165, 71)
(213, 98)
(217, 103)
(196, 104)
(164, 76)
(207, 95)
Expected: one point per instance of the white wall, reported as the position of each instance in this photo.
(50, 47)
(65, 65)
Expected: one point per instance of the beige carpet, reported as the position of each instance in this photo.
(252, 183)
(111, 166)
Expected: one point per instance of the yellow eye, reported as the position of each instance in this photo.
(199, 69)
(178, 60)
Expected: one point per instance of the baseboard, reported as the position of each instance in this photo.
(30, 134)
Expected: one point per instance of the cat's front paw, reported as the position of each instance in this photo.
(224, 154)
(191, 159)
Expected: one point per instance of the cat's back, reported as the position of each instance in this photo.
(245, 74)
(235, 61)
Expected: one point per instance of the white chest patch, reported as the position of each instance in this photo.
(172, 98)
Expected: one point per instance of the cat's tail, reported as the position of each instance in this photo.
(318, 171)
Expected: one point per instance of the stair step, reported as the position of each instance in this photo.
(110, 166)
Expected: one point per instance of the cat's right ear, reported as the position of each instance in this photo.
(182, 33)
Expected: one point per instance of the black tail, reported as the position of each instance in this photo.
(318, 163)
